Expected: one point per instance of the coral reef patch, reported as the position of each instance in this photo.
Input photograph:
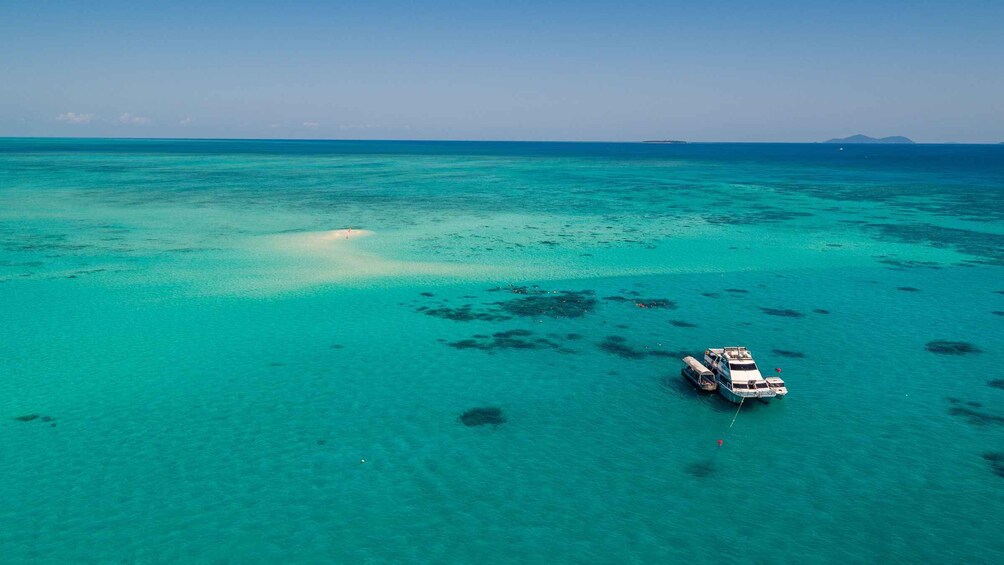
(945, 347)
(484, 416)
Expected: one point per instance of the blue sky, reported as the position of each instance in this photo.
(697, 70)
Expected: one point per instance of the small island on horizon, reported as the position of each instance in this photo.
(861, 138)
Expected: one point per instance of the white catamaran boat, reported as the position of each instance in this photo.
(737, 375)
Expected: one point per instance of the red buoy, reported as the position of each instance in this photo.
(778, 369)
(720, 442)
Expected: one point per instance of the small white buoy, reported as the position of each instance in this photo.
(362, 461)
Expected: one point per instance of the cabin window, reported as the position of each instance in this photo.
(743, 366)
(738, 385)
(761, 385)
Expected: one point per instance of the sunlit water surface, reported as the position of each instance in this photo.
(193, 366)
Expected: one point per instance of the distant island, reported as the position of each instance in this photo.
(865, 139)
(672, 141)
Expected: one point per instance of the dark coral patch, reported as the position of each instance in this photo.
(710, 294)
(996, 383)
(989, 247)
(782, 312)
(617, 345)
(976, 418)
(789, 354)
(513, 333)
(563, 304)
(27, 417)
(518, 289)
(511, 339)
(944, 347)
(616, 298)
(996, 460)
(821, 311)
(700, 469)
(908, 289)
(465, 314)
(998, 312)
(655, 303)
(485, 416)
(428, 294)
(682, 324)
(903, 264)
(737, 290)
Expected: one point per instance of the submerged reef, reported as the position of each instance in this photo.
(996, 461)
(617, 345)
(789, 354)
(895, 264)
(512, 339)
(532, 303)
(682, 324)
(36, 417)
(560, 304)
(484, 416)
(944, 347)
(821, 311)
(996, 383)
(974, 417)
(987, 247)
(657, 303)
(908, 289)
(662, 303)
(464, 313)
(782, 312)
(701, 469)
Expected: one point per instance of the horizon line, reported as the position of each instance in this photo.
(409, 140)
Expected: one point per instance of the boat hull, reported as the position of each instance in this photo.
(729, 395)
(736, 399)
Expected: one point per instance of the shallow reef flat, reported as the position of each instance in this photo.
(268, 352)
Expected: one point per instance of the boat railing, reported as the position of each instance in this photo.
(759, 393)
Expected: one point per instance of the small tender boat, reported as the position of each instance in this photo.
(737, 375)
(701, 376)
(777, 385)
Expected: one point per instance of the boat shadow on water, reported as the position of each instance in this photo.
(679, 386)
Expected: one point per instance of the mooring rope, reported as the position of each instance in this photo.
(741, 400)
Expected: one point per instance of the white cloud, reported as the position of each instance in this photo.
(75, 118)
(185, 121)
(311, 124)
(128, 118)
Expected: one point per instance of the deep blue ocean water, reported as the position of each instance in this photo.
(192, 367)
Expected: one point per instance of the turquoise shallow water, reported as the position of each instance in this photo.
(208, 370)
